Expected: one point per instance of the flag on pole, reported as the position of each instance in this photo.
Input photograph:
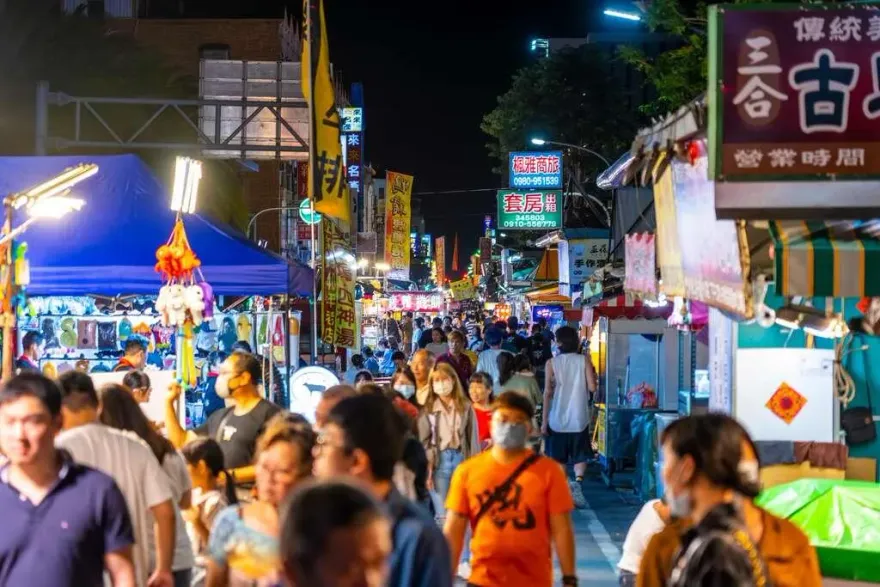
(455, 254)
(327, 185)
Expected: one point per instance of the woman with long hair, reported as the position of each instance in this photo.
(120, 410)
(447, 427)
(705, 481)
(243, 545)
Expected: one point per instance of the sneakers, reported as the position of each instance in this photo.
(577, 495)
(464, 571)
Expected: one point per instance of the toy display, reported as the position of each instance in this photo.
(182, 299)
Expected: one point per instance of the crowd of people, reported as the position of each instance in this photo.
(444, 469)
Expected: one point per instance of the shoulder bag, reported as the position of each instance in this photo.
(499, 492)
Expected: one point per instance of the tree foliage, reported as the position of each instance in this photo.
(82, 57)
(679, 75)
(570, 97)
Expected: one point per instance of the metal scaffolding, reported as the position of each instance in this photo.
(219, 139)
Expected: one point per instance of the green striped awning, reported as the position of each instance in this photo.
(822, 259)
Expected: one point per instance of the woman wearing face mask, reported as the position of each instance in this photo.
(710, 473)
(448, 431)
(790, 559)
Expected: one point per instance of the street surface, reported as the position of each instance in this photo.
(600, 531)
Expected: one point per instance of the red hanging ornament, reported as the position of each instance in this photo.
(693, 151)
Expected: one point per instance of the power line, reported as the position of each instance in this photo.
(456, 192)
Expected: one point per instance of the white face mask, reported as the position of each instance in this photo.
(407, 391)
(443, 388)
(221, 386)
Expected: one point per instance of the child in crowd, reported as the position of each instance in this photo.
(480, 390)
(212, 491)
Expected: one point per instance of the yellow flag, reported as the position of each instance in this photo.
(398, 209)
(327, 181)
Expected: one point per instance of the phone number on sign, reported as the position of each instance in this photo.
(526, 222)
(536, 181)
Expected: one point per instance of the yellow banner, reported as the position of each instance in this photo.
(463, 289)
(338, 317)
(327, 185)
(668, 246)
(398, 189)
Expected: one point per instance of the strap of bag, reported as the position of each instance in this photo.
(868, 375)
(500, 491)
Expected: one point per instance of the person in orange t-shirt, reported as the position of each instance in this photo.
(515, 526)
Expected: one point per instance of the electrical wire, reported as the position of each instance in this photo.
(844, 385)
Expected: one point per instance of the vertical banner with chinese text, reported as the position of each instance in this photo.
(398, 190)
(338, 319)
(327, 182)
(440, 259)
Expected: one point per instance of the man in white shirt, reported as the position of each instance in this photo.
(132, 465)
(651, 520)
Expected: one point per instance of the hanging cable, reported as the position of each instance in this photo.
(844, 385)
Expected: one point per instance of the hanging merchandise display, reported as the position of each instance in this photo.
(182, 301)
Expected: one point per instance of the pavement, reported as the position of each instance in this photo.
(600, 530)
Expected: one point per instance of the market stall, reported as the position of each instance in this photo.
(633, 348)
(81, 267)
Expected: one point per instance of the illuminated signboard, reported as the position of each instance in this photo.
(536, 169)
(529, 210)
(414, 243)
(427, 246)
(352, 120)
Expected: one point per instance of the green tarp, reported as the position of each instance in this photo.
(841, 519)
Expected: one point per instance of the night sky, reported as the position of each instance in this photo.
(430, 72)
(429, 77)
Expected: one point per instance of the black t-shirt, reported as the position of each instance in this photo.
(238, 438)
(539, 350)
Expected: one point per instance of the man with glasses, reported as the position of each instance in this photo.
(364, 437)
(517, 504)
(236, 428)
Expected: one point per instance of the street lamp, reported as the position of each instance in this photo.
(541, 142)
(47, 200)
(631, 16)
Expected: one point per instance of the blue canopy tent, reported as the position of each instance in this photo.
(109, 247)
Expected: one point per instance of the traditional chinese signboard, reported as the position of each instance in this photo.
(641, 264)
(397, 221)
(794, 91)
(536, 169)
(352, 120)
(463, 290)
(338, 321)
(440, 260)
(578, 259)
(529, 210)
(416, 301)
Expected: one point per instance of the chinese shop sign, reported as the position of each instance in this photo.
(397, 221)
(352, 120)
(338, 319)
(536, 169)
(578, 259)
(794, 92)
(529, 210)
(416, 301)
(440, 259)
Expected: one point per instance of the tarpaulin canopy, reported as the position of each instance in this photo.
(826, 258)
(109, 247)
(841, 519)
